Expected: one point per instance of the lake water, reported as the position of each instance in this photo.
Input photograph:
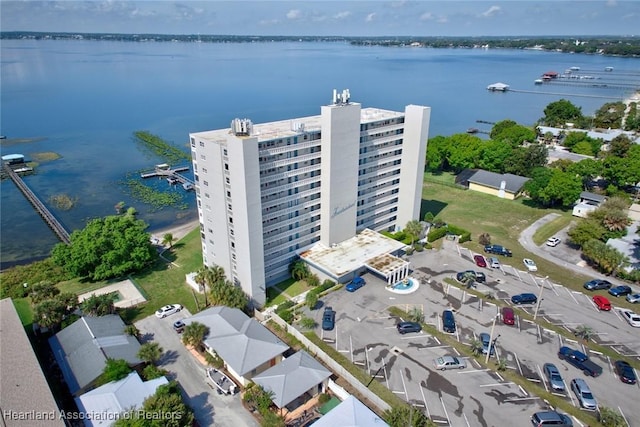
(84, 99)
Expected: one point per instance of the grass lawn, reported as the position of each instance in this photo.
(549, 229)
(282, 291)
(503, 219)
(23, 307)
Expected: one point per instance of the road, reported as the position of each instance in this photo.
(210, 409)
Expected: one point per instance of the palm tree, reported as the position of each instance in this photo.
(476, 347)
(413, 229)
(150, 352)
(308, 323)
(200, 279)
(194, 333)
(469, 278)
(298, 269)
(167, 239)
(311, 299)
(585, 332)
(416, 315)
(616, 220)
(99, 305)
(610, 418)
(501, 364)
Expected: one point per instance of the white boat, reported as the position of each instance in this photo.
(538, 81)
(222, 382)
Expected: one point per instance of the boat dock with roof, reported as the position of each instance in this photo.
(172, 175)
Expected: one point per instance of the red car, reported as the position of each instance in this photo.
(508, 317)
(602, 302)
(480, 261)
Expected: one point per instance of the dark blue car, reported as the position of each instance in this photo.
(524, 299)
(328, 319)
(355, 284)
(620, 291)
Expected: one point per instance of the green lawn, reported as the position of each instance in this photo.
(503, 219)
(23, 307)
(551, 228)
(282, 291)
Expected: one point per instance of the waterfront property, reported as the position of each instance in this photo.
(268, 192)
(505, 186)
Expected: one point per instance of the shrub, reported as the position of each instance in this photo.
(285, 305)
(409, 250)
(484, 239)
(436, 234)
(324, 398)
(286, 315)
(465, 237)
(418, 247)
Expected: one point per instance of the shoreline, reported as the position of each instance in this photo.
(178, 231)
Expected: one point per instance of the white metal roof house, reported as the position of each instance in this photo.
(351, 413)
(108, 401)
(293, 377)
(82, 349)
(588, 202)
(247, 347)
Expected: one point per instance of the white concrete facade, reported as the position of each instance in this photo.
(268, 191)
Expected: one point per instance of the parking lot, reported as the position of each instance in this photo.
(366, 333)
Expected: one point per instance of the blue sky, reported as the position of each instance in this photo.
(346, 18)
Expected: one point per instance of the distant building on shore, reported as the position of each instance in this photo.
(267, 192)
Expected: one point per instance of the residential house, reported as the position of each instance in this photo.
(105, 404)
(82, 349)
(22, 382)
(246, 347)
(353, 413)
(295, 380)
(587, 203)
(505, 186)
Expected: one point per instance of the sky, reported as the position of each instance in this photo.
(327, 18)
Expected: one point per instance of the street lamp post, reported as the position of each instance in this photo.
(493, 325)
(535, 314)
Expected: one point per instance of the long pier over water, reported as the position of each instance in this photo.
(48, 217)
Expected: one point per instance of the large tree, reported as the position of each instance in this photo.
(227, 294)
(561, 112)
(413, 229)
(150, 352)
(512, 133)
(194, 333)
(106, 247)
(99, 305)
(563, 189)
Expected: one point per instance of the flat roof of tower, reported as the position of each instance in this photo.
(292, 127)
(351, 254)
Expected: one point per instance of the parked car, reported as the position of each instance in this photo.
(602, 302)
(508, 316)
(480, 261)
(551, 419)
(449, 362)
(178, 326)
(530, 264)
(485, 338)
(583, 393)
(494, 263)
(525, 298)
(633, 298)
(580, 361)
(631, 317)
(553, 375)
(553, 241)
(625, 372)
(168, 310)
(595, 284)
(498, 250)
(406, 327)
(620, 291)
(328, 319)
(448, 322)
(355, 284)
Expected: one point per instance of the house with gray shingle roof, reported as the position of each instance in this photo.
(22, 381)
(82, 349)
(587, 203)
(106, 402)
(294, 377)
(505, 186)
(246, 347)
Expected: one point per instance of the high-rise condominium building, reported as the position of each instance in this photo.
(268, 191)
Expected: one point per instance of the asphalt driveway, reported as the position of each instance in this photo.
(210, 408)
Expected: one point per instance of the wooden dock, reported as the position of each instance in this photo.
(173, 175)
(48, 217)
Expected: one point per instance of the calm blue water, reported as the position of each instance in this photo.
(84, 99)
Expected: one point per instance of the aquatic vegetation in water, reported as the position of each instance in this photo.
(161, 148)
(63, 202)
(157, 199)
(46, 156)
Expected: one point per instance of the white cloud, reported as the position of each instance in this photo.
(493, 10)
(370, 17)
(269, 22)
(612, 3)
(443, 19)
(398, 4)
(342, 15)
(427, 16)
(294, 14)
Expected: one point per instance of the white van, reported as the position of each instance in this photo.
(494, 263)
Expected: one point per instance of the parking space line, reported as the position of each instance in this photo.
(437, 340)
(404, 386)
(424, 399)
(466, 420)
(541, 376)
(523, 390)
(518, 363)
(625, 418)
(420, 335)
(499, 376)
(495, 384)
(472, 372)
(445, 411)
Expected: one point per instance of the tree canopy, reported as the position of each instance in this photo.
(106, 247)
(561, 112)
